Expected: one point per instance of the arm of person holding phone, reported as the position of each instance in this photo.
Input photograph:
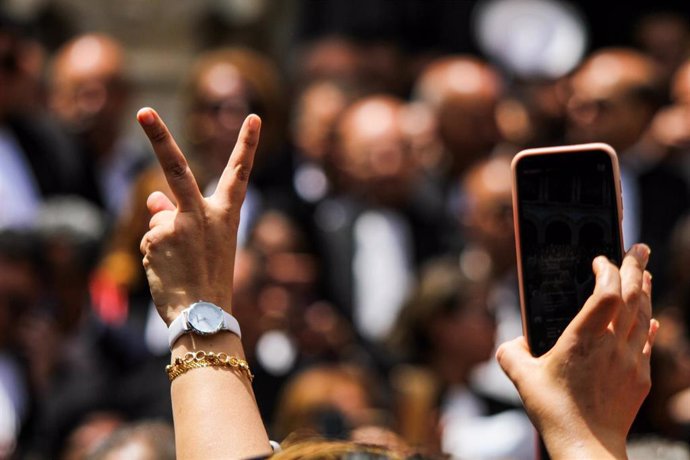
(584, 393)
(189, 255)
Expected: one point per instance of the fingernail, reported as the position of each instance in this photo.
(253, 122)
(601, 261)
(145, 116)
(642, 251)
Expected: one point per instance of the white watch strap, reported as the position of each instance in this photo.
(179, 326)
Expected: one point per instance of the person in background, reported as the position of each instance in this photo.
(381, 220)
(316, 111)
(486, 221)
(462, 91)
(447, 327)
(329, 401)
(289, 324)
(666, 412)
(21, 288)
(615, 94)
(88, 93)
(78, 364)
(223, 86)
(36, 160)
(669, 131)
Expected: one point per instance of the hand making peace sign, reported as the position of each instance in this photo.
(189, 251)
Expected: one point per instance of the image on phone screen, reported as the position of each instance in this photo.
(567, 213)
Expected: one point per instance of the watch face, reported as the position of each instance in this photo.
(205, 318)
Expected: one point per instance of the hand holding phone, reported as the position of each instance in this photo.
(567, 210)
(584, 394)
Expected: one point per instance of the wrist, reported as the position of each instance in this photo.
(584, 443)
(202, 318)
(224, 341)
(169, 310)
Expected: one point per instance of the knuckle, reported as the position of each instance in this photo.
(242, 172)
(143, 246)
(249, 141)
(632, 295)
(644, 382)
(609, 297)
(643, 317)
(158, 136)
(177, 169)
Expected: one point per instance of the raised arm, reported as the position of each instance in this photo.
(189, 256)
(584, 393)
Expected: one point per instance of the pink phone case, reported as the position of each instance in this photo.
(548, 151)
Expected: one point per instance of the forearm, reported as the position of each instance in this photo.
(214, 409)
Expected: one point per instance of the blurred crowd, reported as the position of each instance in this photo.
(376, 271)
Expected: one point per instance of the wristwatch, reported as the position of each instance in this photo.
(202, 318)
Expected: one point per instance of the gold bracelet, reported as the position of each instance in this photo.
(198, 359)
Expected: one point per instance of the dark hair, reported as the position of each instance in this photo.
(22, 246)
(442, 288)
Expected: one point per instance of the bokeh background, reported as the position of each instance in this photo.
(376, 270)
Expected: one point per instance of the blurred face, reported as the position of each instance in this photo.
(220, 105)
(488, 217)
(375, 154)
(468, 332)
(467, 125)
(602, 109)
(89, 92)
(319, 107)
(464, 93)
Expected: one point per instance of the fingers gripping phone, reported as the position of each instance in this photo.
(568, 210)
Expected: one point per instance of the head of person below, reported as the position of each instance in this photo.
(189, 255)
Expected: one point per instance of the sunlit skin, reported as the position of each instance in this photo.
(464, 92)
(220, 104)
(670, 128)
(602, 107)
(488, 215)
(580, 411)
(88, 90)
(373, 152)
(318, 108)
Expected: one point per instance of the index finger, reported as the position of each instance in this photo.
(232, 184)
(172, 160)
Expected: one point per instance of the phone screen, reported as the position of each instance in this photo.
(567, 215)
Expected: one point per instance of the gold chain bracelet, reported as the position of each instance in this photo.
(199, 359)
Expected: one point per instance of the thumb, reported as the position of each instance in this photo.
(159, 201)
(513, 357)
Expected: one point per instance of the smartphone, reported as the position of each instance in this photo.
(567, 210)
